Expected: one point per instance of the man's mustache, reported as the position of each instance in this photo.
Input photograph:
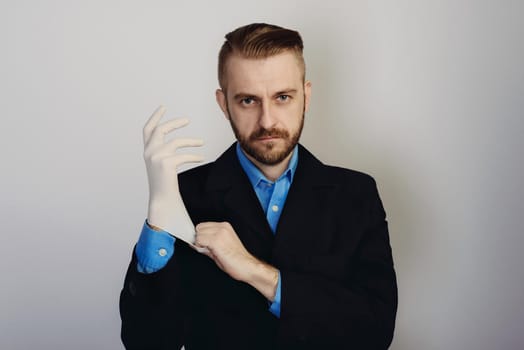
(273, 132)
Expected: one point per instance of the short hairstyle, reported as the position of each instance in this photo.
(259, 40)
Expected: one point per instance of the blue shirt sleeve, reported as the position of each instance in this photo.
(153, 249)
(275, 305)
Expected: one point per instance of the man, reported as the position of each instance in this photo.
(287, 253)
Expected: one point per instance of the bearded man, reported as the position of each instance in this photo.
(266, 247)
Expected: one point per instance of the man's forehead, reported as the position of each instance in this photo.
(278, 72)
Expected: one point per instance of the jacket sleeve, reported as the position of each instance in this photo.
(358, 309)
(151, 306)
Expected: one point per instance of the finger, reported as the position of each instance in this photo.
(174, 160)
(213, 227)
(157, 136)
(169, 149)
(205, 230)
(202, 240)
(175, 144)
(152, 122)
(207, 234)
(204, 235)
(200, 249)
(206, 225)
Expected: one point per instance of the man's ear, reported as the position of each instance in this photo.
(221, 100)
(307, 95)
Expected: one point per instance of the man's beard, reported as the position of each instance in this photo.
(266, 155)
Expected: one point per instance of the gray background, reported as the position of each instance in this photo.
(427, 96)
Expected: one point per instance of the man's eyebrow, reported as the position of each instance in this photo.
(242, 95)
(286, 92)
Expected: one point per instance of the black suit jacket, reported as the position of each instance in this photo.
(331, 247)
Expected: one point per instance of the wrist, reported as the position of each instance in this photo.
(264, 278)
(171, 216)
(158, 214)
(153, 227)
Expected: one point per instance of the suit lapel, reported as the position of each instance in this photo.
(241, 206)
(306, 212)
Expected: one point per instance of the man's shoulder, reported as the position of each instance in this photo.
(210, 173)
(197, 174)
(349, 182)
(346, 174)
(335, 175)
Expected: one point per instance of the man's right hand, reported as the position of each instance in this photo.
(166, 208)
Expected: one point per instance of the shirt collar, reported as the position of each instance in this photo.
(255, 175)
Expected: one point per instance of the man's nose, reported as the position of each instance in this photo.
(267, 119)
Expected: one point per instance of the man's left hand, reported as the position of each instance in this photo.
(230, 255)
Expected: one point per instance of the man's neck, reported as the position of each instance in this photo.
(271, 172)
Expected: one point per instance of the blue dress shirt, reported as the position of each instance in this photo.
(155, 248)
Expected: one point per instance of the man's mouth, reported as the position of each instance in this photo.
(265, 135)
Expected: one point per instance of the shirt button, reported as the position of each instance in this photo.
(162, 252)
(274, 208)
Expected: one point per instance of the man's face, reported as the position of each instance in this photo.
(265, 104)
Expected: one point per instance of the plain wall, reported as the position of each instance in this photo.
(426, 96)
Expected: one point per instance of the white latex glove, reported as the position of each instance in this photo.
(166, 209)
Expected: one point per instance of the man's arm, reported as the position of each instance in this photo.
(358, 310)
(230, 255)
(151, 301)
(151, 306)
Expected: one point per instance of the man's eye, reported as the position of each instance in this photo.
(247, 101)
(283, 98)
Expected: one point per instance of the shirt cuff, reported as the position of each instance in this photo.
(153, 249)
(275, 305)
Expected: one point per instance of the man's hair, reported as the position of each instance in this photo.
(259, 40)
